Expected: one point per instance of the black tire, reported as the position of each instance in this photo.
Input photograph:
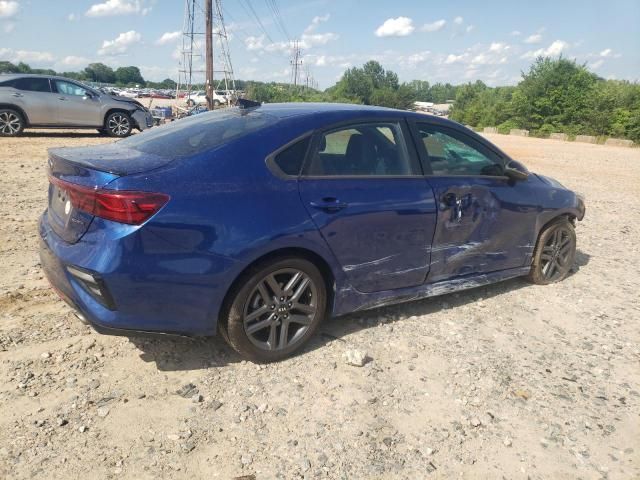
(278, 332)
(118, 124)
(554, 254)
(11, 123)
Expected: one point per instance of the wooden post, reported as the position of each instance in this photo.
(208, 12)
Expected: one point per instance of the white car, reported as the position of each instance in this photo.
(199, 98)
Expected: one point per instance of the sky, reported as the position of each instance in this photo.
(438, 41)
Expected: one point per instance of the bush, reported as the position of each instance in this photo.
(545, 130)
(505, 127)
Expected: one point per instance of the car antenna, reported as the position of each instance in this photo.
(244, 103)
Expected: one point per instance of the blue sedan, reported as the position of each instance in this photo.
(259, 222)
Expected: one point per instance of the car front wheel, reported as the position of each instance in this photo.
(11, 123)
(275, 309)
(554, 254)
(118, 124)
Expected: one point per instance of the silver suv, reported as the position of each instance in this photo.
(41, 101)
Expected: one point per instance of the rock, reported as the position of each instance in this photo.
(103, 411)
(524, 394)
(305, 464)
(355, 357)
(215, 404)
(507, 442)
(173, 437)
(197, 398)
(187, 391)
(263, 408)
(246, 459)
(45, 355)
(93, 384)
(475, 422)
(82, 428)
(61, 422)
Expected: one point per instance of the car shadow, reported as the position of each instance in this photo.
(54, 134)
(183, 353)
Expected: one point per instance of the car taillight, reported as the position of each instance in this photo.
(122, 206)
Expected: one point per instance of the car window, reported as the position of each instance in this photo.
(371, 149)
(453, 153)
(291, 158)
(33, 84)
(68, 88)
(198, 133)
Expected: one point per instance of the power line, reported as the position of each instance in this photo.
(296, 61)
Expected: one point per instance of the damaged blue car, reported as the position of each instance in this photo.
(259, 222)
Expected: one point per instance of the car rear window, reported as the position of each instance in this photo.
(199, 133)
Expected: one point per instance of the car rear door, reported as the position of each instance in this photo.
(486, 222)
(34, 96)
(364, 189)
(77, 105)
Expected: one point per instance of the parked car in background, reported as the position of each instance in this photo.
(259, 222)
(200, 98)
(41, 101)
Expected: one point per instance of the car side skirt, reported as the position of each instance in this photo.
(349, 300)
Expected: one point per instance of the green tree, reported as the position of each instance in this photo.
(99, 72)
(129, 76)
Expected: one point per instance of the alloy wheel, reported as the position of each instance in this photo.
(556, 254)
(119, 125)
(10, 123)
(280, 309)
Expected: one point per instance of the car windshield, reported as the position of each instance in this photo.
(199, 133)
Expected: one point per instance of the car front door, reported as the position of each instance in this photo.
(34, 96)
(486, 221)
(77, 105)
(364, 189)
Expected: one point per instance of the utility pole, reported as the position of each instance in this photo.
(208, 13)
(296, 61)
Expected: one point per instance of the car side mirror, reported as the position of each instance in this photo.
(516, 171)
(88, 95)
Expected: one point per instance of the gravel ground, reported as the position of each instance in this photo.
(506, 381)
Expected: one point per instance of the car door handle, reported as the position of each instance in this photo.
(17, 94)
(329, 204)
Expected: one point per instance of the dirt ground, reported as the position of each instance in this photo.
(506, 381)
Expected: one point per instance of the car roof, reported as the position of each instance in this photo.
(325, 111)
(11, 76)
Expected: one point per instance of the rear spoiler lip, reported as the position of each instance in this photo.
(107, 158)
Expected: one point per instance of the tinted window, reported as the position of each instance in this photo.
(68, 88)
(453, 153)
(290, 159)
(198, 133)
(33, 84)
(370, 149)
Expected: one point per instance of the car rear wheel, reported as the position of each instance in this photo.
(118, 124)
(275, 309)
(554, 254)
(11, 123)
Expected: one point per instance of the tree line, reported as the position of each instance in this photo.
(555, 95)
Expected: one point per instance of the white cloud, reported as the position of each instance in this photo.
(434, 26)
(597, 64)
(469, 28)
(532, 39)
(8, 8)
(168, 37)
(516, 33)
(395, 27)
(317, 20)
(254, 43)
(117, 7)
(606, 52)
(451, 58)
(8, 27)
(553, 50)
(458, 20)
(121, 44)
(498, 47)
(308, 41)
(26, 55)
(415, 59)
(73, 61)
(72, 17)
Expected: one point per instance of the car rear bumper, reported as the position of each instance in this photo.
(138, 295)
